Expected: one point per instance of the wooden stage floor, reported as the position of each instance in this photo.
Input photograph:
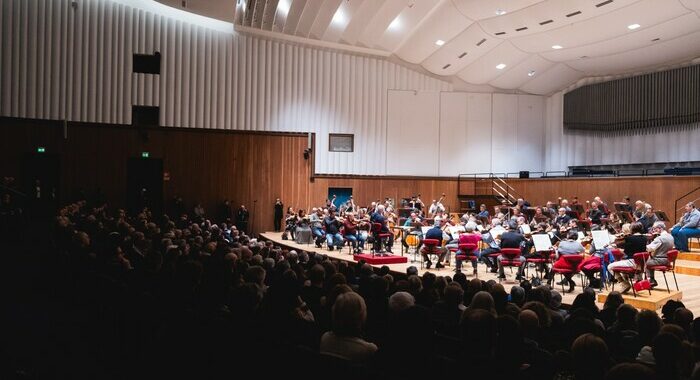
(689, 284)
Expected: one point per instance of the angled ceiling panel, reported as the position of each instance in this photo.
(341, 19)
(485, 9)
(294, 15)
(552, 80)
(522, 73)
(360, 21)
(308, 16)
(444, 23)
(324, 17)
(484, 69)
(382, 19)
(409, 18)
(461, 51)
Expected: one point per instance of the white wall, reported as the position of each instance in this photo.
(75, 64)
(478, 133)
(579, 148)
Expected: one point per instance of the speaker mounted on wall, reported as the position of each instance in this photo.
(146, 63)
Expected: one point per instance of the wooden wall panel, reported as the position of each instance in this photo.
(209, 166)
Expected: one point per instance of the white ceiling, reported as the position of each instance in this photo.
(594, 36)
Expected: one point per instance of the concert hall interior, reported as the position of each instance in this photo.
(208, 188)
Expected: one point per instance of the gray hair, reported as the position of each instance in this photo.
(659, 224)
(470, 227)
(401, 301)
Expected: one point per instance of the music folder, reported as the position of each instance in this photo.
(601, 238)
(542, 242)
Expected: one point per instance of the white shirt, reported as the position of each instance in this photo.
(356, 350)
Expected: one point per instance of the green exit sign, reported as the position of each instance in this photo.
(40, 149)
(145, 154)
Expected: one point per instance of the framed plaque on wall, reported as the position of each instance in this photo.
(339, 142)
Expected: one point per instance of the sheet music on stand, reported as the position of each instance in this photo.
(479, 227)
(542, 242)
(497, 231)
(581, 235)
(526, 228)
(601, 238)
(455, 231)
(425, 229)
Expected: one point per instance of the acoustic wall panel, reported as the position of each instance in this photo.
(413, 127)
(504, 126)
(478, 133)
(454, 150)
(74, 63)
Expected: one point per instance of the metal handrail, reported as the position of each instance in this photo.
(675, 204)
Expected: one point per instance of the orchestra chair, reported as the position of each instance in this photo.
(382, 236)
(541, 259)
(672, 255)
(511, 258)
(466, 253)
(568, 264)
(640, 258)
(347, 243)
(430, 247)
(594, 266)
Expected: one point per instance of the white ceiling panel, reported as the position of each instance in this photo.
(548, 15)
(469, 42)
(341, 18)
(360, 21)
(554, 79)
(323, 18)
(308, 15)
(383, 17)
(408, 20)
(692, 4)
(610, 25)
(517, 76)
(679, 49)
(484, 69)
(444, 23)
(484, 9)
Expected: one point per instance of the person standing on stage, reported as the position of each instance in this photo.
(242, 216)
(279, 210)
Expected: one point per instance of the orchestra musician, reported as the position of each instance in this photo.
(522, 204)
(483, 212)
(316, 221)
(380, 218)
(568, 246)
(551, 208)
(511, 238)
(414, 221)
(539, 217)
(352, 233)
(434, 233)
(470, 236)
(659, 247)
(595, 214)
(688, 226)
(562, 218)
(636, 242)
(639, 209)
(437, 206)
(649, 217)
(303, 233)
(492, 245)
(332, 226)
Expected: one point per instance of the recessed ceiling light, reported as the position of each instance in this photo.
(338, 17)
(633, 26)
(500, 12)
(439, 42)
(396, 23)
(556, 47)
(501, 66)
(531, 73)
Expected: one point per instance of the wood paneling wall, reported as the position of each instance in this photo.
(245, 167)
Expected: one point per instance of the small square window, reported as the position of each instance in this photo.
(341, 142)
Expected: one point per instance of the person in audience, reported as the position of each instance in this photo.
(659, 247)
(634, 243)
(687, 227)
(345, 338)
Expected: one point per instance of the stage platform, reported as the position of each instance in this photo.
(689, 284)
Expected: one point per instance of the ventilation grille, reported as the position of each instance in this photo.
(521, 29)
(446, 66)
(481, 42)
(603, 3)
(462, 55)
(546, 22)
(500, 33)
(573, 14)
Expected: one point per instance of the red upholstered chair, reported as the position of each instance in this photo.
(541, 259)
(640, 258)
(430, 247)
(617, 254)
(466, 252)
(382, 236)
(672, 255)
(511, 257)
(568, 264)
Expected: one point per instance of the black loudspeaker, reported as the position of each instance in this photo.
(145, 116)
(524, 174)
(146, 63)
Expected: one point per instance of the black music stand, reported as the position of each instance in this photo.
(572, 214)
(625, 217)
(662, 216)
(622, 207)
(583, 225)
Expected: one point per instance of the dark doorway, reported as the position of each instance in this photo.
(342, 195)
(41, 183)
(144, 185)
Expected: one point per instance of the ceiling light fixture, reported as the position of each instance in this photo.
(556, 47)
(531, 73)
(501, 66)
(500, 12)
(439, 42)
(633, 26)
(395, 24)
(338, 17)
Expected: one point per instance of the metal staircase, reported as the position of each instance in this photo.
(488, 188)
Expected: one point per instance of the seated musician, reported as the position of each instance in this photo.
(649, 218)
(316, 221)
(568, 246)
(595, 213)
(470, 236)
(539, 217)
(352, 234)
(511, 239)
(414, 221)
(659, 247)
(378, 217)
(483, 212)
(515, 214)
(639, 209)
(688, 226)
(551, 208)
(522, 204)
(332, 226)
(565, 205)
(562, 218)
(602, 206)
(434, 233)
(595, 262)
(636, 242)
(493, 246)
(290, 223)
